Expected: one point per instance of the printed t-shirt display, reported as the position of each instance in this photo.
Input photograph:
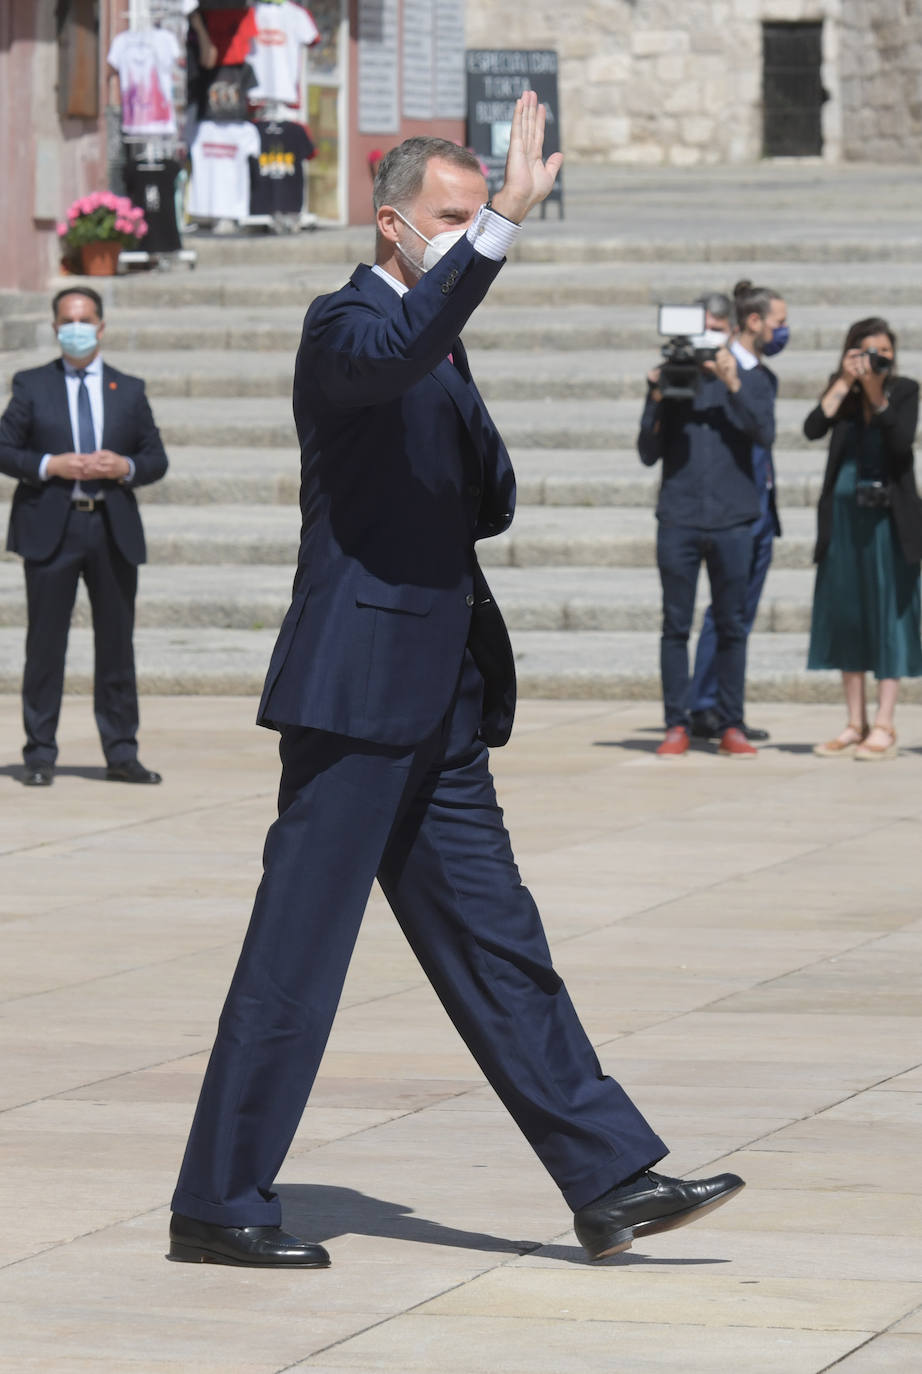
(275, 56)
(153, 189)
(220, 184)
(223, 93)
(144, 60)
(277, 178)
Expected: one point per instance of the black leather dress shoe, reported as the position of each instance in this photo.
(268, 1247)
(132, 771)
(651, 1204)
(38, 775)
(705, 724)
(753, 734)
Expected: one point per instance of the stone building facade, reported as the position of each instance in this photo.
(652, 82)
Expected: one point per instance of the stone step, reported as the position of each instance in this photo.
(606, 665)
(545, 477)
(606, 284)
(540, 537)
(560, 328)
(578, 374)
(256, 597)
(624, 240)
(266, 423)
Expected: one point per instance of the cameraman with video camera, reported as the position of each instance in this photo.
(702, 416)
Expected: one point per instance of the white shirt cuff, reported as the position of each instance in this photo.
(492, 234)
(131, 469)
(43, 467)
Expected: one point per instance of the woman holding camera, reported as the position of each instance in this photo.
(869, 538)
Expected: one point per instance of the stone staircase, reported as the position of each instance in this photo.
(559, 350)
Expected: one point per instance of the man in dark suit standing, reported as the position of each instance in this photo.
(392, 675)
(80, 437)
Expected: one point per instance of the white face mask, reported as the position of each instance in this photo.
(435, 249)
(711, 338)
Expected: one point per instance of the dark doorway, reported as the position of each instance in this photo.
(792, 93)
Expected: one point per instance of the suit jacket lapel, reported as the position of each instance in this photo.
(58, 399)
(109, 404)
(454, 377)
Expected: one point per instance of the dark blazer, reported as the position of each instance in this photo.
(898, 426)
(37, 421)
(402, 469)
(706, 447)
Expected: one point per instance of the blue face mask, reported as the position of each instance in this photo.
(777, 341)
(79, 339)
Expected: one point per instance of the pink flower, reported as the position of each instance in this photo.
(62, 229)
(141, 229)
(136, 212)
(124, 226)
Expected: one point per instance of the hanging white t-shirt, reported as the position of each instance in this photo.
(220, 183)
(275, 54)
(144, 60)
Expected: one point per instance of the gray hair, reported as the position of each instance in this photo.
(716, 303)
(400, 172)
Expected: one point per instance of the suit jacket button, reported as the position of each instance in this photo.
(469, 598)
(445, 288)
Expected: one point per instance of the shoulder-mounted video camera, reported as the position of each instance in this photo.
(690, 343)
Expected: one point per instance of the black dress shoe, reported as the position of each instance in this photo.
(268, 1247)
(705, 724)
(132, 771)
(38, 775)
(650, 1204)
(753, 734)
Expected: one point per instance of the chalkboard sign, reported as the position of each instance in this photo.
(496, 77)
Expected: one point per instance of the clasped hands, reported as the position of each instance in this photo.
(103, 465)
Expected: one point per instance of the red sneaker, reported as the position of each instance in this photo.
(735, 745)
(675, 743)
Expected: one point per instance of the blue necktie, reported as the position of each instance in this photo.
(86, 431)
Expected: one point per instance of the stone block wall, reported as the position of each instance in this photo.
(880, 69)
(653, 82)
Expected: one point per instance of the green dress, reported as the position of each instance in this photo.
(866, 597)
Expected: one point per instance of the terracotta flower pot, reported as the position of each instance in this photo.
(100, 259)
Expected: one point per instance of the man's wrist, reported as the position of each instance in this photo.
(490, 206)
(508, 207)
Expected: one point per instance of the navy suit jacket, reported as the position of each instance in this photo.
(37, 421)
(402, 469)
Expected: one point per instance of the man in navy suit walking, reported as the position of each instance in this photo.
(391, 676)
(80, 437)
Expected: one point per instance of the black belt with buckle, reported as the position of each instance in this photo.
(86, 503)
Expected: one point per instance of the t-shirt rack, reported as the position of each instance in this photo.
(146, 57)
(227, 136)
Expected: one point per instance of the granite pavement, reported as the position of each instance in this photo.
(743, 942)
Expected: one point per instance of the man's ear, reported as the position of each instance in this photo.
(100, 329)
(388, 223)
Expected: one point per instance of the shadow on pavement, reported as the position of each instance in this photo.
(321, 1212)
(92, 774)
